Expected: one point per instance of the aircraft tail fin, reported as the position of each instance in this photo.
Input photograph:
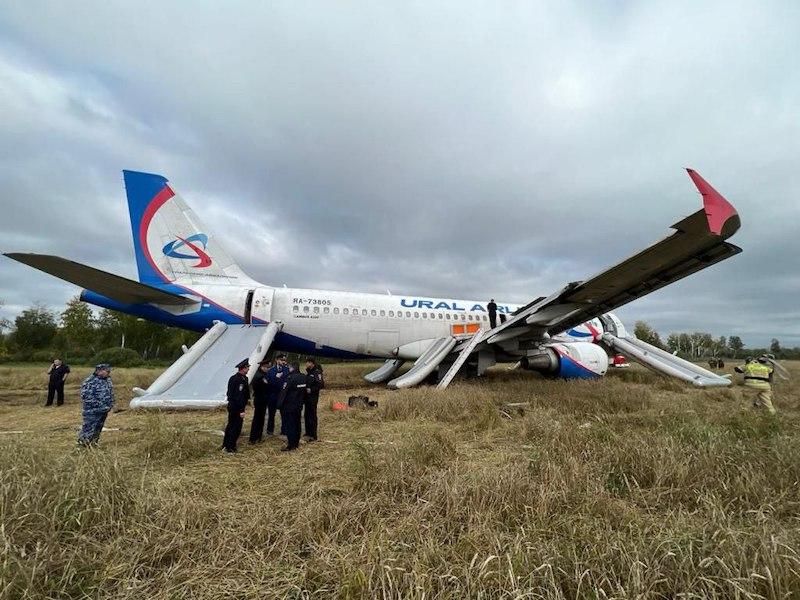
(170, 241)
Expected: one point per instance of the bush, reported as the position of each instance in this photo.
(44, 356)
(119, 357)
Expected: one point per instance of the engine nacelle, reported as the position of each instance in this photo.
(577, 360)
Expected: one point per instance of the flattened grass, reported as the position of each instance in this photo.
(629, 487)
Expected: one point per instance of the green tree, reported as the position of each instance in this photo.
(4, 323)
(78, 326)
(644, 332)
(775, 347)
(735, 344)
(150, 340)
(674, 342)
(35, 328)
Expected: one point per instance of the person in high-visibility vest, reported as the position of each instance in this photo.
(758, 377)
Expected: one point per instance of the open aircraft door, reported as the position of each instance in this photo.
(260, 305)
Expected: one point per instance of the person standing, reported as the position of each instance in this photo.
(758, 378)
(238, 395)
(58, 372)
(315, 383)
(293, 395)
(97, 398)
(276, 375)
(260, 394)
(492, 308)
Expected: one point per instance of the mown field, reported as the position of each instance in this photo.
(629, 487)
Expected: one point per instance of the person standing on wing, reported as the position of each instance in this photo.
(238, 396)
(492, 308)
(97, 398)
(58, 372)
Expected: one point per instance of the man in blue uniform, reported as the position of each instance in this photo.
(293, 395)
(315, 383)
(97, 398)
(238, 395)
(276, 376)
(260, 395)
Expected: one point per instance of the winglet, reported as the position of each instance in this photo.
(718, 210)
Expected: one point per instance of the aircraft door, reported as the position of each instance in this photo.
(261, 310)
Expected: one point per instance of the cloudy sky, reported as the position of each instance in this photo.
(458, 149)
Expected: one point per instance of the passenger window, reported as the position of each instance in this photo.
(441, 316)
(305, 309)
(470, 317)
(408, 314)
(316, 309)
(295, 308)
(447, 316)
(416, 315)
(345, 311)
(364, 311)
(391, 313)
(463, 317)
(373, 312)
(326, 310)
(424, 315)
(383, 313)
(336, 311)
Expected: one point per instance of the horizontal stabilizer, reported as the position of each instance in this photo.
(112, 286)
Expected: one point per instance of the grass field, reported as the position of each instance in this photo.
(629, 487)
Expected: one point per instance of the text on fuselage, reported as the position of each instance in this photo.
(442, 304)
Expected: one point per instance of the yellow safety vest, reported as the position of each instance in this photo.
(757, 374)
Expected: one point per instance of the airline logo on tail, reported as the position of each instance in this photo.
(192, 244)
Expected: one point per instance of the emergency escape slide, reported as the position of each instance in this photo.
(198, 378)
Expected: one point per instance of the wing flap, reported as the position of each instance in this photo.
(112, 286)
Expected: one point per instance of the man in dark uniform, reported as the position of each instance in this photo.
(260, 393)
(238, 395)
(293, 395)
(58, 372)
(492, 308)
(315, 383)
(276, 376)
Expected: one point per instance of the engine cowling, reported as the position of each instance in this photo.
(577, 360)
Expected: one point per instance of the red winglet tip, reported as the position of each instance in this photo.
(718, 210)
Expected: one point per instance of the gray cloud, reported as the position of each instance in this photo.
(462, 149)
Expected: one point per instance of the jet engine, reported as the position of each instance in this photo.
(576, 360)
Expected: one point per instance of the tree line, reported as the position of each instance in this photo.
(700, 344)
(80, 336)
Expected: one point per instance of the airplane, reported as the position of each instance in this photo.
(188, 280)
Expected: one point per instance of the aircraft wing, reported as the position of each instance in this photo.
(112, 286)
(698, 242)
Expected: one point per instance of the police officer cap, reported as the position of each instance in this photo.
(280, 357)
(243, 364)
(102, 367)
